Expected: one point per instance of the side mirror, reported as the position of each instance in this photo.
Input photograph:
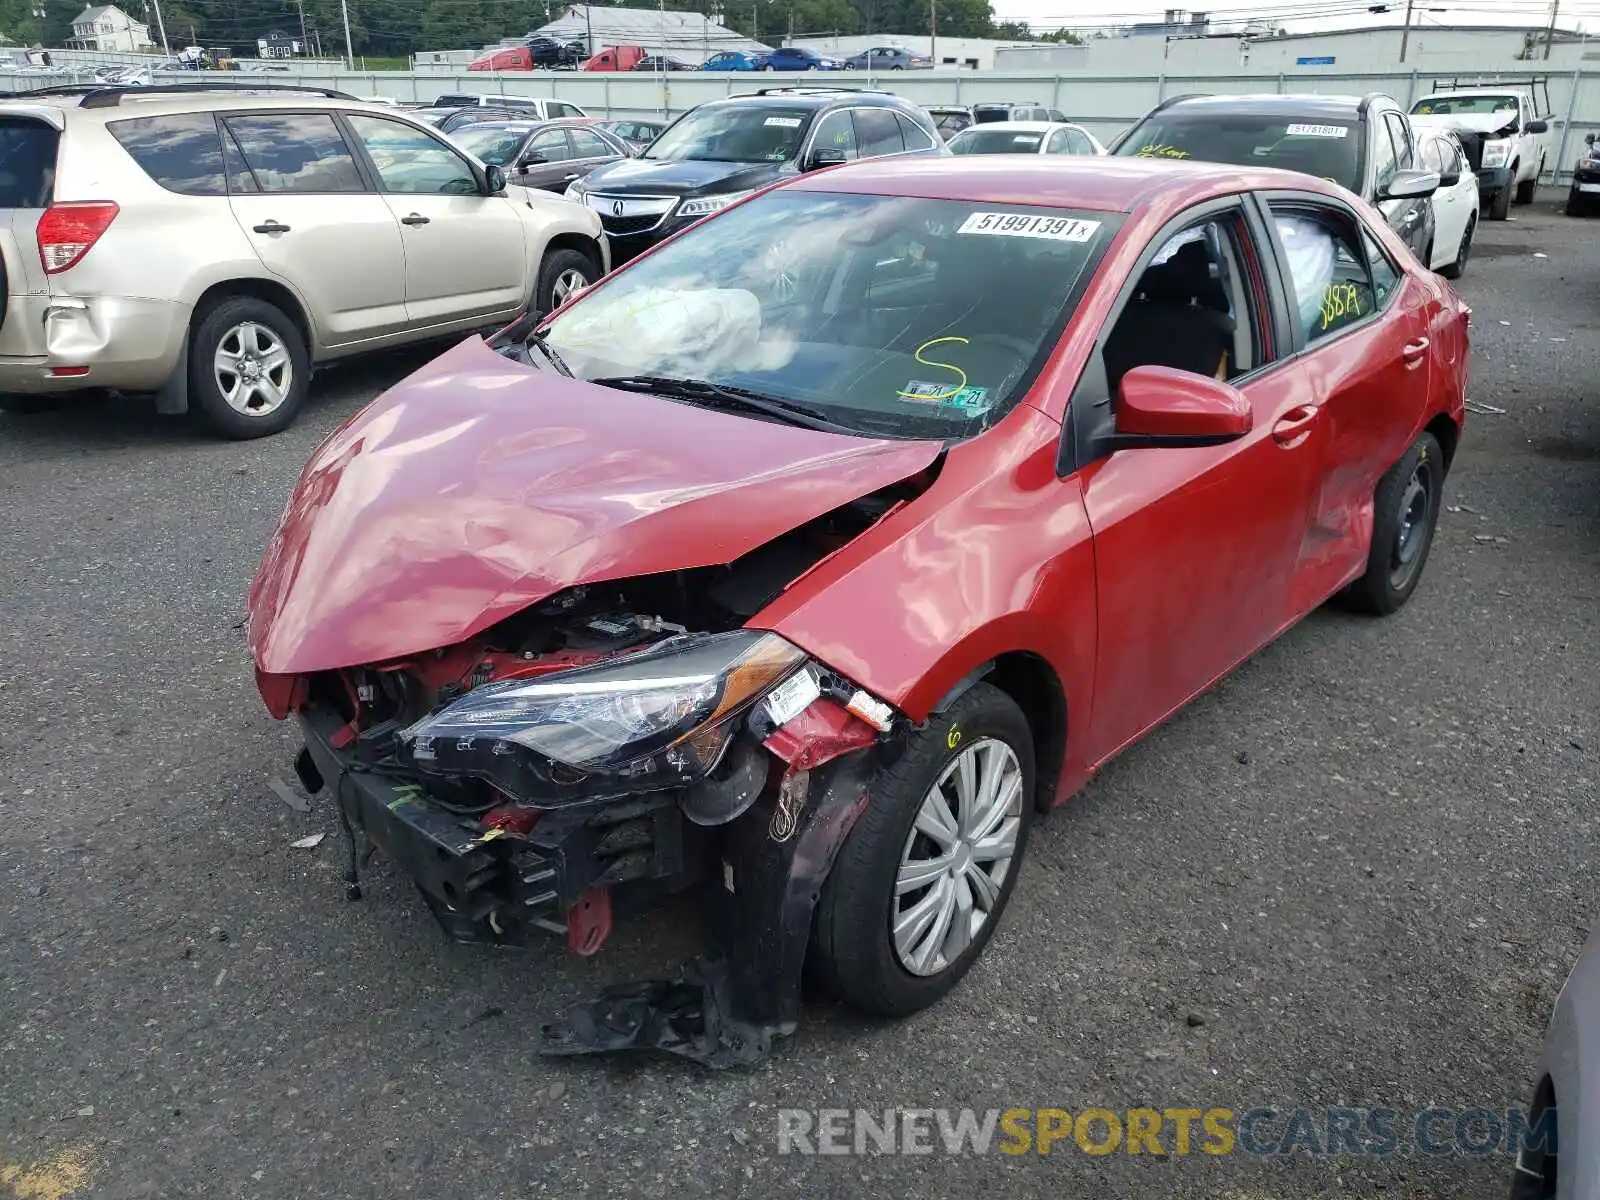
(1410, 185)
(826, 156)
(1537, 127)
(494, 177)
(1588, 139)
(1450, 179)
(1161, 406)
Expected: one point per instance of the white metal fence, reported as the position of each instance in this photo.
(1105, 104)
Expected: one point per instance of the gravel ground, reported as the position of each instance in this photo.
(1353, 874)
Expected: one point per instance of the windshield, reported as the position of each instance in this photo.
(1444, 106)
(884, 314)
(995, 139)
(733, 133)
(489, 144)
(1326, 147)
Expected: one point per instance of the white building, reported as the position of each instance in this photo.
(105, 27)
(687, 36)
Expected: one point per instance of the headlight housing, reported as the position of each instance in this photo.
(1496, 153)
(704, 206)
(575, 190)
(660, 718)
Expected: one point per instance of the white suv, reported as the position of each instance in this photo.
(213, 245)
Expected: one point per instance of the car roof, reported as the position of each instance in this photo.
(1018, 126)
(1271, 104)
(1102, 184)
(155, 102)
(814, 97)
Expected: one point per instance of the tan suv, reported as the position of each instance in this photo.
(214, 245)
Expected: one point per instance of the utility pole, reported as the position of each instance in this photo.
(167, 50)
(1550, 30)
(1405, 38)
(933, 32)
(349, 50)
(305, 45)
(588, 29)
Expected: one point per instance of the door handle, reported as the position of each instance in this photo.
(270, 226)
(1293, 426)
(414, 219)
(569, 178)
(1412, 352)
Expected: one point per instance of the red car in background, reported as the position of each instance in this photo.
(813, 555)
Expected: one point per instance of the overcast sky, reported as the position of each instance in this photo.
(1301, 15)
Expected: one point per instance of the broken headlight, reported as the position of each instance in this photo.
(659, 718)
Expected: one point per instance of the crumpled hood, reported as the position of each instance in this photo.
(479, 486)
(1472, 122)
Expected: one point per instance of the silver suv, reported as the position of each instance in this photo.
(213, 245)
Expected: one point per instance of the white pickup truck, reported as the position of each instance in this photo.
(1505, 135)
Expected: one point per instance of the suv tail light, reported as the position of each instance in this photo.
(69, 231)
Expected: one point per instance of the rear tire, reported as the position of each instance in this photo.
(1405, 515)
(854, 952)
(1500, 204)
(249, 368)
(561, 272)
(1527, 190)
(1454, 269)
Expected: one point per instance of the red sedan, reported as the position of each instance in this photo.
(810, 558)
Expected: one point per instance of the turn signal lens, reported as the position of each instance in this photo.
(69, 231)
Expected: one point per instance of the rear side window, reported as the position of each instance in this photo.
(296, 152)
(916, 138)
(181, 152)
(27, 163)
(877, 132)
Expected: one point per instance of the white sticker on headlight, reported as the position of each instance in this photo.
(792, 697)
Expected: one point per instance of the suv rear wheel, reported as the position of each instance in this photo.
(248, 368)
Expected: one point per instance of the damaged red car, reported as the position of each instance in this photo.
(813, 556)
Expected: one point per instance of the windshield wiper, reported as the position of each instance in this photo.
(549, 351)
(714, 395)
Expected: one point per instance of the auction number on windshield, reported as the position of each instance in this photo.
(1059, 229)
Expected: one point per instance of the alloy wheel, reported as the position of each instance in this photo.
(253, 369)
(957, 857)
(569, 281)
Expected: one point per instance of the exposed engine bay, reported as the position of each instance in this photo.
(615, 743)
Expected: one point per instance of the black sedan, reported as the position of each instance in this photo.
(543, 154)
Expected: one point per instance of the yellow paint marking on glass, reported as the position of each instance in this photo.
(1339, 301)
(62, 1176)
(1161, 150)
(947, 366)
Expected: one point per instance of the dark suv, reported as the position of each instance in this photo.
(721, 151)
(1362, 143)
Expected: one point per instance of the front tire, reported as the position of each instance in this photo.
(1578, 205)
(1454, 269)
(1405, 515)
(249, 368)
(560, 274)
(1500, 204)
(923, 878)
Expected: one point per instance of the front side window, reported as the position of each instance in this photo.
(588, 144)
(1332, 286)
(1322, 146)
(181, 152)
(835, 132)
(408, 160)
(733, 133)
(295, 152)
(490, 144)
(886, 314)
(1400, 131)
(1192, 308)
